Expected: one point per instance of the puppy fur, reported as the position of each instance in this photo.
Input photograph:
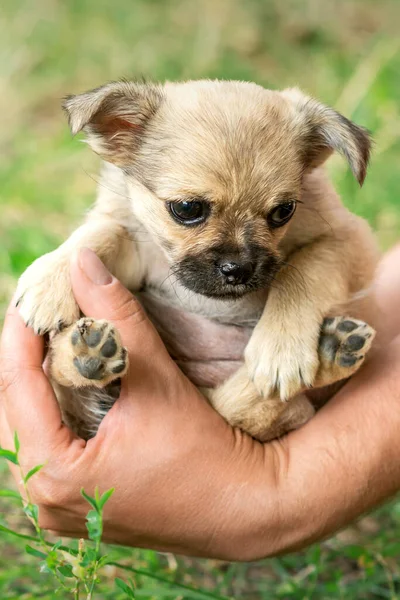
(243, 151)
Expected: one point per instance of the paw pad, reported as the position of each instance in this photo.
(345, 341)
(98, 350)
(89, 367)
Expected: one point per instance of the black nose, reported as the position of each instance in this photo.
(235, 273)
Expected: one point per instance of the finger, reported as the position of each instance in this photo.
(102, 296)
(28, 400)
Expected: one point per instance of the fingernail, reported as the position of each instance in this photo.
(93, 268)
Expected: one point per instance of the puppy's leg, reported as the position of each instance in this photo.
(282, 352)
(239, 402)
(44, 292)
(83, 354)
(84, 408)
(84, 359)
(343, 345)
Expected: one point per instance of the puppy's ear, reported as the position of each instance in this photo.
(323, 130)
(114, 117)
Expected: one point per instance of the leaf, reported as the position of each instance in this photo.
(9, 455)
(94, 525)
(105, 497)
(32, 472)
(124, 587)
(66, 570)
(52, 560)
(89, 558)
(104, 560)
(16, 442)
(57, 545)
(32, 511)
(10, 494)
(89, 499)
(35, 552)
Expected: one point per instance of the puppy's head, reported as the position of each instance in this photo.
(215, 169)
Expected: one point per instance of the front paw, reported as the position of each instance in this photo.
(44, 294)
(98, 354)
(282, 363)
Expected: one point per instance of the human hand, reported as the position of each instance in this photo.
(174, 462)
(185, 481)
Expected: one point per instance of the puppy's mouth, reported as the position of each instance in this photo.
(205, 278)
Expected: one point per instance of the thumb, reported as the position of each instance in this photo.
(101, 296)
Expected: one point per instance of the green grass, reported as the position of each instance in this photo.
(347, 53)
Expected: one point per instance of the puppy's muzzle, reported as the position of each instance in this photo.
(234, 271)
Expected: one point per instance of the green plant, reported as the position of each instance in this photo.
(76, 570)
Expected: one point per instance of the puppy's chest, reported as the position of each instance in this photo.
(206, 337)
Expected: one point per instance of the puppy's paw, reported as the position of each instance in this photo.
(343, 344)
(97, 354)
(283, 363)
(44, 294)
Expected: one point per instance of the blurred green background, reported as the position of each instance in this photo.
(346, 53)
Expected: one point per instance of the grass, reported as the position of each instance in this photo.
(345, 52)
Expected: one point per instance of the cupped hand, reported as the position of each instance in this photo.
(176, 466)
(184, 480)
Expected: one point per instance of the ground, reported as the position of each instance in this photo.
(347, 53)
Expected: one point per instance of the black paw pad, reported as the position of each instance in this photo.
(348, 360)
(75, 337)
(93, 337)
(354, 343)
(347, 326)
(109, 347)
(89, 367)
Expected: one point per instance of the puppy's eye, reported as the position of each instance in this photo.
(281, 214)
(189, 212)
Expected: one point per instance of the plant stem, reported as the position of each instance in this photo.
(39, 532)
(28, 501)
(96, 564)
(76, 591)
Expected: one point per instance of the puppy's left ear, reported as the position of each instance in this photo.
(323, 130)
(115, 117)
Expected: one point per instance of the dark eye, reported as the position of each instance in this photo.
(281, 214)
(189, 212)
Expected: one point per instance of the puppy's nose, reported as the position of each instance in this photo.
(234, 272)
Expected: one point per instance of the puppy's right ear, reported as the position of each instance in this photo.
(114, 117)
(324, 130)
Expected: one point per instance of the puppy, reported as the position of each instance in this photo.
(213, 201)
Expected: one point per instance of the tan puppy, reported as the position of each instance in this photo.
(212, 201)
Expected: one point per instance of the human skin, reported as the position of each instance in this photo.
(185, 481)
